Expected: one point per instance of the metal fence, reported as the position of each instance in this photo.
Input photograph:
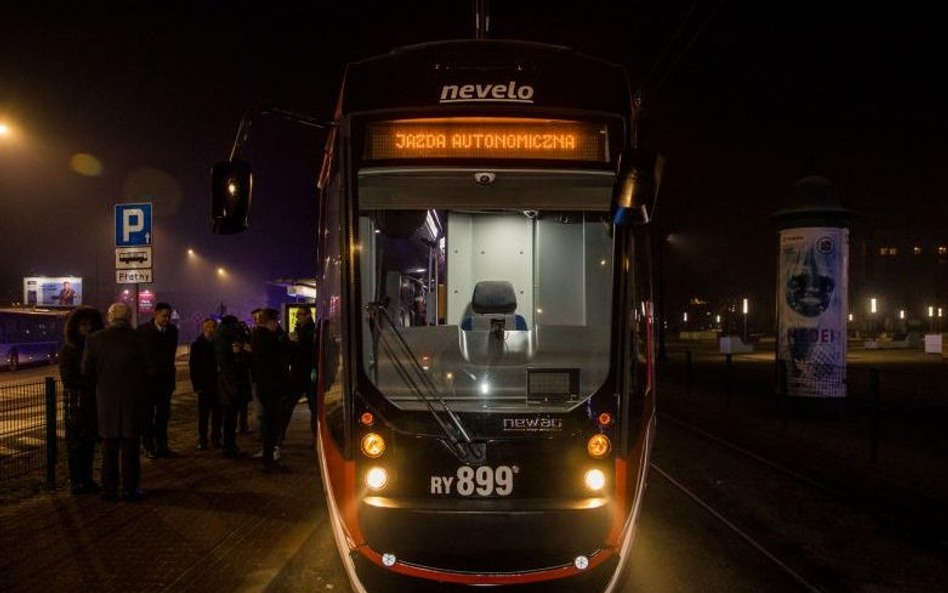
(32, 428)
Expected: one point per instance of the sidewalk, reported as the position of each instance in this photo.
(206, 523)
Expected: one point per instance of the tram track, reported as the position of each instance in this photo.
(783, 566)
(907, 526)
(751, 455)
(839, 539)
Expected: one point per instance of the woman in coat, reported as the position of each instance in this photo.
(79, 392)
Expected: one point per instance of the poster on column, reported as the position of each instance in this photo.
(812, 305)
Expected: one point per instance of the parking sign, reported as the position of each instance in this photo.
(133, 225)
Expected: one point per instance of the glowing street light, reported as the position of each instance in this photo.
(850, 316)
(685, 317)
(191, 252)
(901, 313)
(4, 129)
(744, 308)
(873, 308)
(221, 271)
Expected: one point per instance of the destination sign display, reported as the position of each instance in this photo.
(494, 138)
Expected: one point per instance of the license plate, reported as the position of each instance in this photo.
(475, 482)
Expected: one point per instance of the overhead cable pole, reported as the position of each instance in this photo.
(481, 19)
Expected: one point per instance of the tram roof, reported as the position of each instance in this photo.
(417, 76)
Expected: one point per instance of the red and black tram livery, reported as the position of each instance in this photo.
(485, 360)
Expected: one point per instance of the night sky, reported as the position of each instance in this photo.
(769, 92)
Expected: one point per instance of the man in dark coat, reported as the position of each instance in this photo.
(233, 378)
(79, 390)
(161, 343)
(271, 371)
(304, 339)
(203, 366)
(115, 358)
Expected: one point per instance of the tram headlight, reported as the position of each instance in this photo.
(376, 478)
(373, 445)
(598, 446)
(595, 480)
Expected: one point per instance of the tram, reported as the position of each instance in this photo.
(486, 390)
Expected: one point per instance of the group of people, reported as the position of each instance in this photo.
(231, 365)
(118, 382)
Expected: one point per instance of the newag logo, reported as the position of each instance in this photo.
(532, 424)
(495, 93)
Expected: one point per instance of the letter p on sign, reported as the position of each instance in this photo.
(133, 221)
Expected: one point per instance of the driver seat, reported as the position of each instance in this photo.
(494, 301)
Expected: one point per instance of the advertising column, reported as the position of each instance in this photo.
(812, 290)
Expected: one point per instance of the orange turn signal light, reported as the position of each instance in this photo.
(598, 446)
(373, 445)
(367, 419)
(605, 419)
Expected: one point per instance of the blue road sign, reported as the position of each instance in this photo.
(132, 224)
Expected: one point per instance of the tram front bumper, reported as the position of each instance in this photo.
(486, 536)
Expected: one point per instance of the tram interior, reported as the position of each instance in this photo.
(501, 308)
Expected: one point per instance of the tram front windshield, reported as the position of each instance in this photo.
(491, 297)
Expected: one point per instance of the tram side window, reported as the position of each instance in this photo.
(330, 296)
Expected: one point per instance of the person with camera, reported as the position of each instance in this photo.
(271, 370)
(233, 378)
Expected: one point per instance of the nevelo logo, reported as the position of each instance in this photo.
(494, 93)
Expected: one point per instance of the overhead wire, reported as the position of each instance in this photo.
(643, 90)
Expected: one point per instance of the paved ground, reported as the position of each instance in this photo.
(832, 441)
(210, 524)
(206, 524)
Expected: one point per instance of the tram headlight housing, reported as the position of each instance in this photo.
(598, 446)
(595, 480)
(373, 445)
(376, 478)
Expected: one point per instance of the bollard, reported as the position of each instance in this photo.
(875, 398)
(689, 372)
(51, 433)
(728, 379)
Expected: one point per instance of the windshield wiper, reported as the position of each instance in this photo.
(418, 381)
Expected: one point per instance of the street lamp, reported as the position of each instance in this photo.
(744, 308)
(931, 318)
(190, 252)
(4, 129)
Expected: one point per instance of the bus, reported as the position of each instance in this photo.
(485, 384)
(29, 336)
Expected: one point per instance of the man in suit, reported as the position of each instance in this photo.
(115, 358)
(161, 344)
